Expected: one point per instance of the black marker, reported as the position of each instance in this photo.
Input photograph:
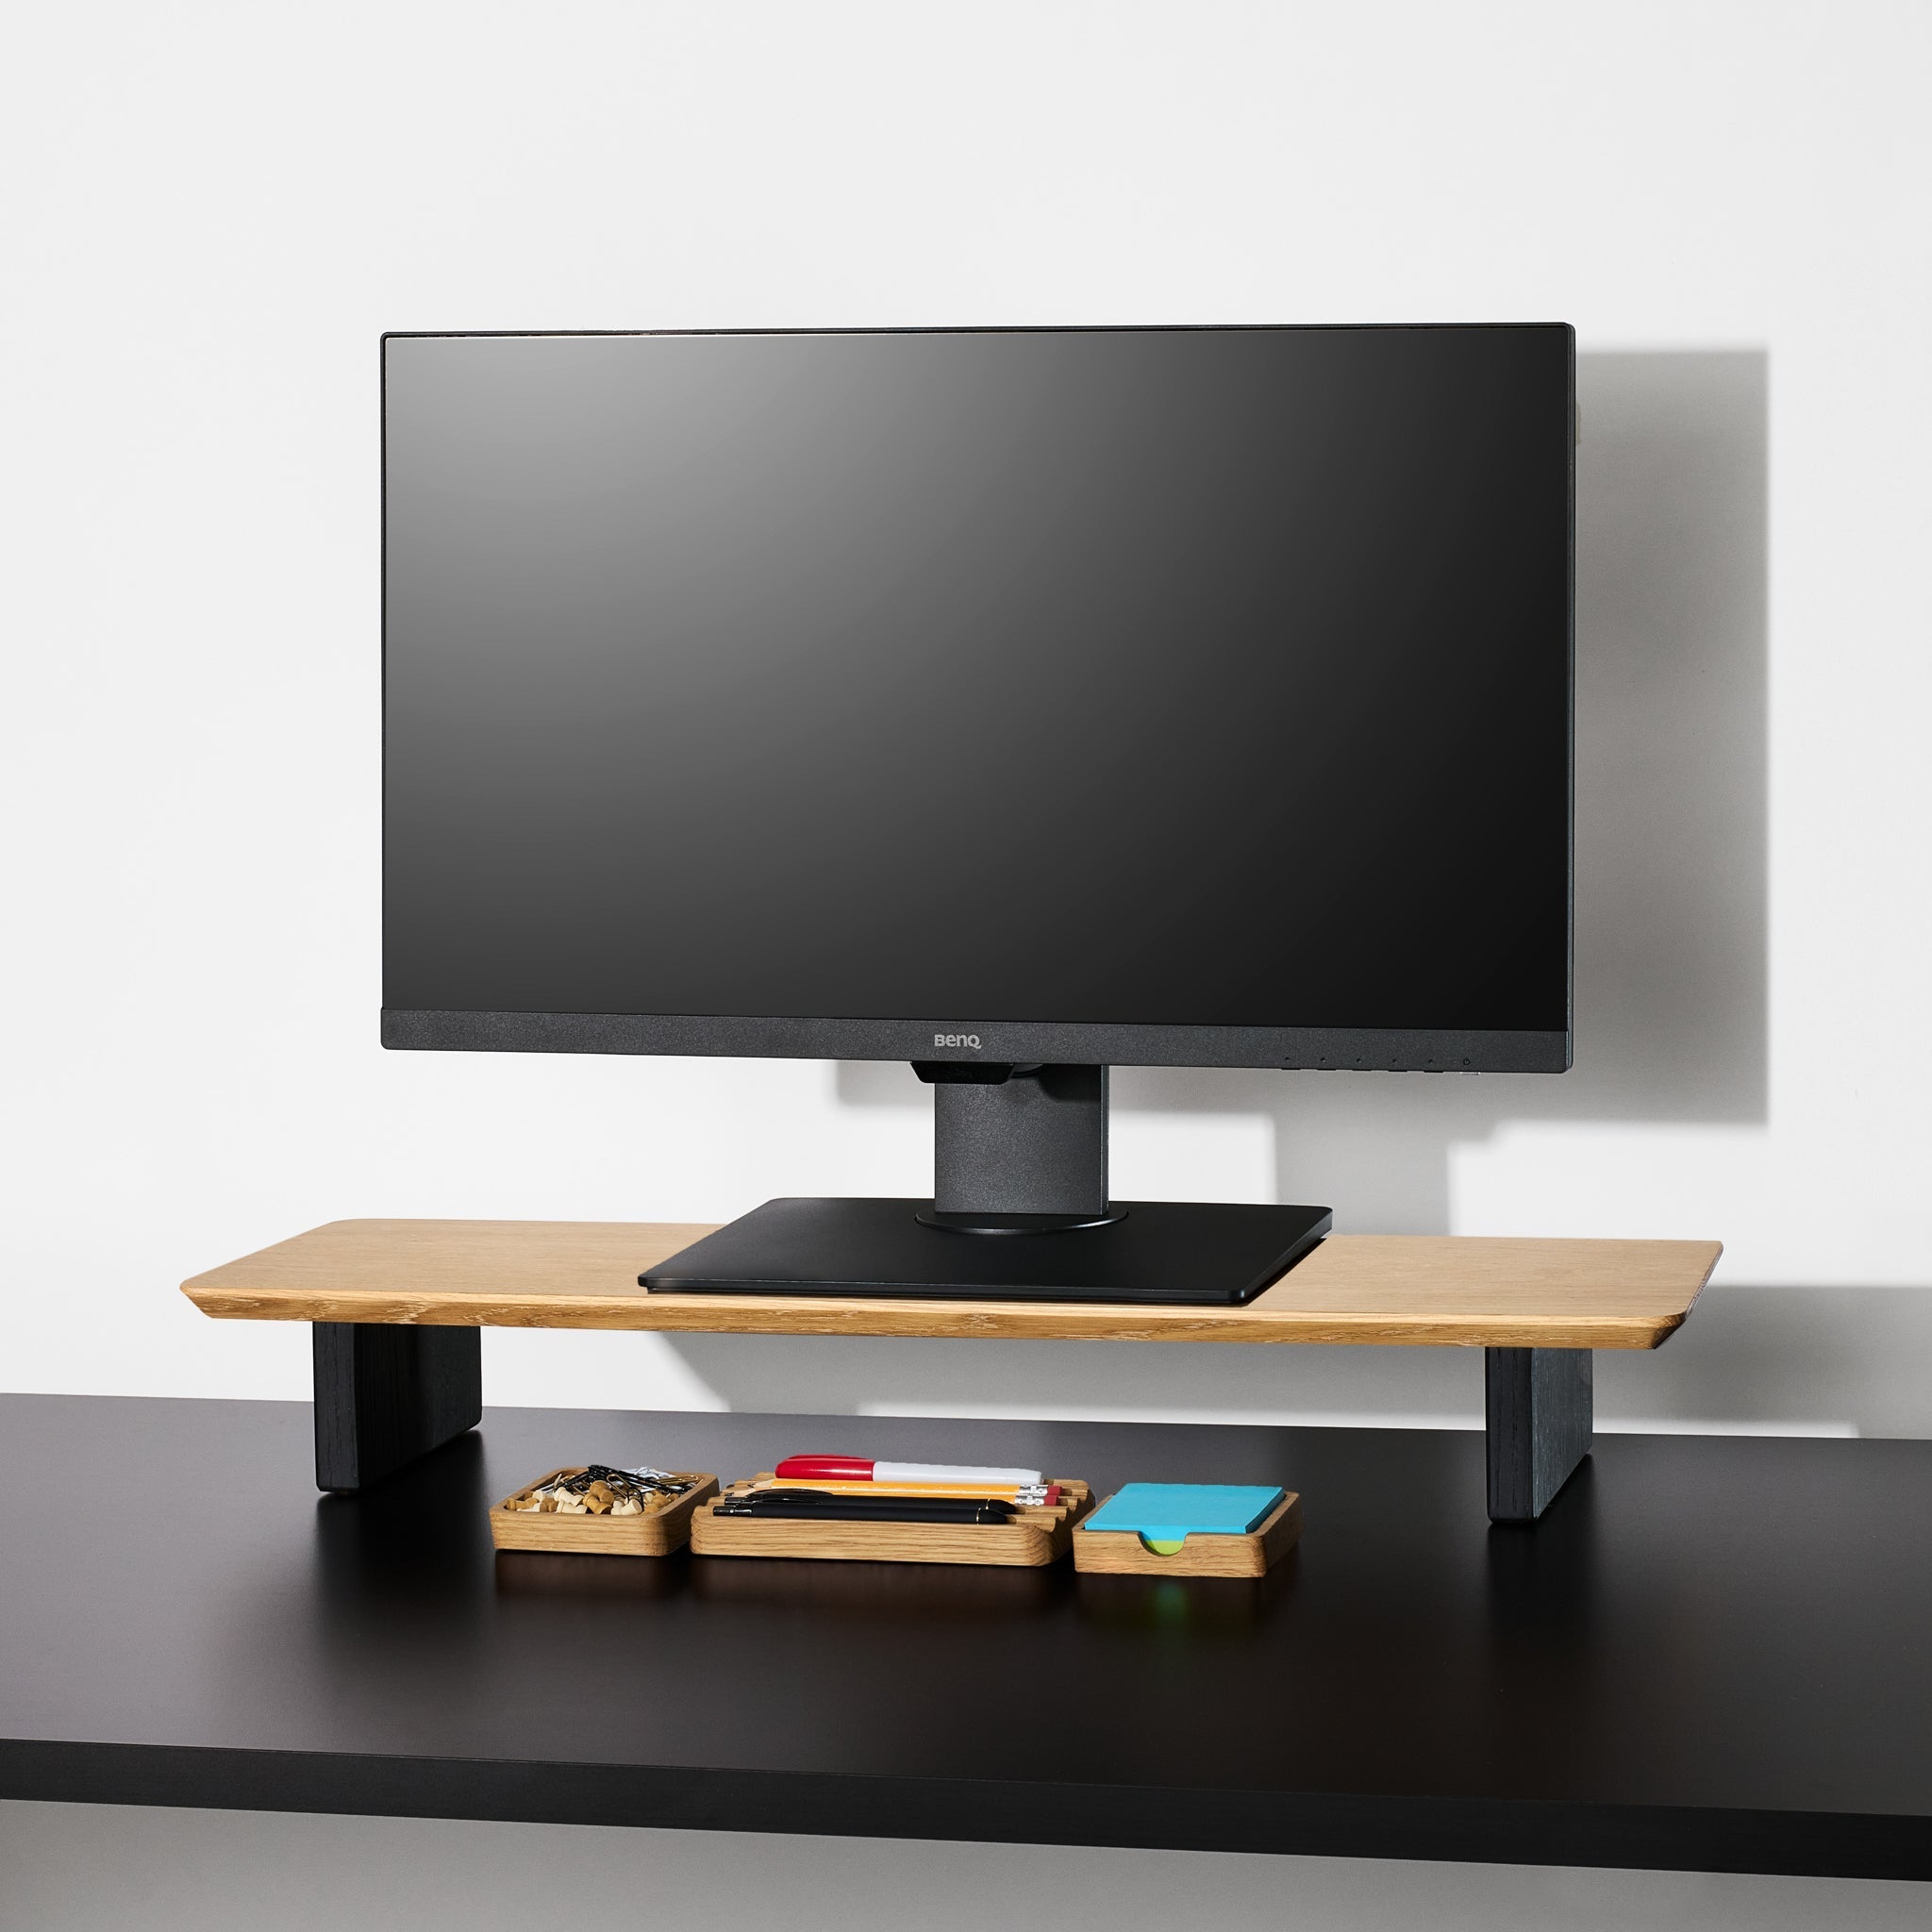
(816, 1506)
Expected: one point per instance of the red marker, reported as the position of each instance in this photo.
(856, 1469)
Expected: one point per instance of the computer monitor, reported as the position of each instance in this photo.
(1016, 703)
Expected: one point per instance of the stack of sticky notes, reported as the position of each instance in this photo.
(1164, 1515)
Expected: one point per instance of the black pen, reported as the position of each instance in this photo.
(817, 1506)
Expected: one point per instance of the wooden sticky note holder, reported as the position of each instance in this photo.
(655, 1533)
(1033, 1536)
(1125, 1553)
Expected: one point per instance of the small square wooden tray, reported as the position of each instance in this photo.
(1033, 1536)
(1122, 1552)
(654, 1534)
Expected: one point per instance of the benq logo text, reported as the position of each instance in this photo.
(970, 1040)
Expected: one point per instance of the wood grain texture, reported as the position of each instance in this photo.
(653, 1535)
(1399, 1290)
(1121, 1552)
(1033, 1538)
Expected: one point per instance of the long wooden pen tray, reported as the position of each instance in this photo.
(1033, 1536)
(655, 1533)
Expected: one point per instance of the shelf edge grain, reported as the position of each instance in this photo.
(1363, 1290)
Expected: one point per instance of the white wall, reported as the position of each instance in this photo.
(213, 209)
(219, 208)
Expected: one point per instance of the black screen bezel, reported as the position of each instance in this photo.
(1074, 1042)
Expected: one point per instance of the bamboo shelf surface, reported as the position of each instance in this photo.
(1472, 1291)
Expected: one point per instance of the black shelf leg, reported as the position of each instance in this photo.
(387, 1392)
(1538, 1415)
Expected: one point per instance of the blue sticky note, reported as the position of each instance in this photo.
(1166, 1513)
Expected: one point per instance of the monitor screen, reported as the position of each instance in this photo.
(991, 682)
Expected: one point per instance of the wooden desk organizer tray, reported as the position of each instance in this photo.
(1033, 1536)
(1124, 1553)
(655, 1533)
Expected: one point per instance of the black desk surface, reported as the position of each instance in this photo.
(1712, 1653)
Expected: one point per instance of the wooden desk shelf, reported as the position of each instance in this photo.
(396, 1305)
(1404, 1290)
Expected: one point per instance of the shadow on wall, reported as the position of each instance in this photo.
(1671, 824)
(1831, 1361)
(1671, 863)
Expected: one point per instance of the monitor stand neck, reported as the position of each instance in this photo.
(1017, 1149)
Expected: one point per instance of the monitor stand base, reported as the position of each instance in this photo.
(1218, 1253)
